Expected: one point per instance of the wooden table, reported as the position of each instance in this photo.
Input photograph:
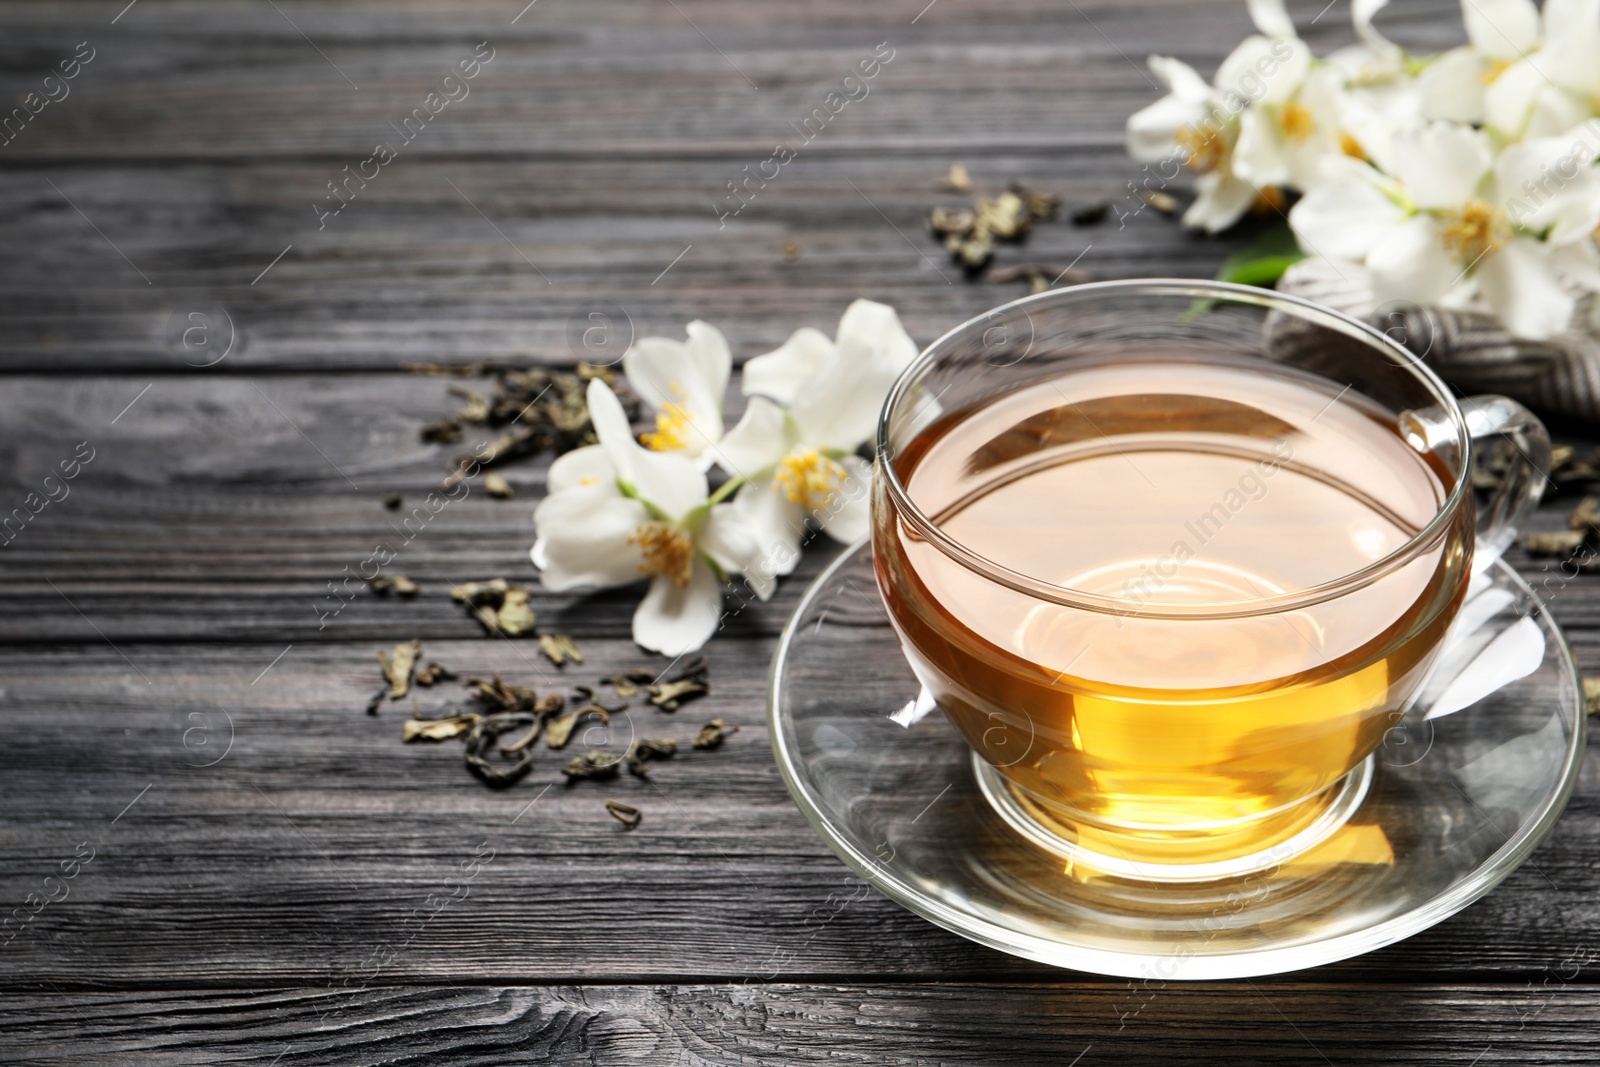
(174, 698)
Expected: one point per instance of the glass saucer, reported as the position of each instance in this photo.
(1462, 789)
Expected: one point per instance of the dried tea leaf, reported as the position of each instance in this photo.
(1006, 217)
(550, 704)
(380, 585)
(560, 731)
(627, 683)
(438, 729)
(647, 749)
(629, 816)
(1591, 695)
(481, 594)
(1562, 543)
(434, 673)
(946, 221)
(404, 586)
(1165, 203)
(974, 251)
(445, 431)
(1089, 214)
(477, 409)
(482, 733)
(393, 501)
(1586, 516)
(670, 696)
(525, 740)
(558, 648)
(498, 696)
(375, 701)
(957, 179)
(713, 733)
(593, 764)
(515, 618)
(791, 250)
(398, 665)
(1040, 206)
(497, 486)
(588, 695)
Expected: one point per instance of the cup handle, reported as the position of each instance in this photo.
(1489, 417)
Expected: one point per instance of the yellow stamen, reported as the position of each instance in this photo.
(1492, 72)
(1297, 122)
(1476, 230)
(667, 552)
(589, 481)
(673, 424)
(1269, 201)
(1205, 147)
(810, 478)
(1352, 147)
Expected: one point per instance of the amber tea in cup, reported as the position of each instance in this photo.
(1173, 568)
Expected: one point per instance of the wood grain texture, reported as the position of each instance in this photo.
(1259, 1023)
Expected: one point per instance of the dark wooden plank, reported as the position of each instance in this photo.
(1267, 1022)
(308, 843)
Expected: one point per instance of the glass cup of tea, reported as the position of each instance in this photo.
(1174, 555)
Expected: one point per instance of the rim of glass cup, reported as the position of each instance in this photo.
(1195, 289)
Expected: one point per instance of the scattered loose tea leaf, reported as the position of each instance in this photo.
(560, 730)
(446, 431)
(945, 221)
(437, 729)
(791, 250)
(1089, 214)
(558, 648)
(404, 586)
(486, 731)
(477, 409)
(497, 486)
(1586, 516)
(398, 665)
(1591, 695)
(670, 696)
(593, 764)
(713, 733)
(1165, 203)
(434, 673)
(588, 695)
(1042, 207)
(375, 701)
(957, 179)
(515, 618)
(381, 584)
(627, 682)
(647, 749)
(525, 740)
(629, 816)
(481, 594)
(1006, 216)
(498, 696)
(550, 704)
(1039, 276)
(1562, 543)
(392, 501)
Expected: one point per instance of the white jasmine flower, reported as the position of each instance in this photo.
(685, 383)
(817, 401)
(1525, 73)
(1454, 226)
(617, 513)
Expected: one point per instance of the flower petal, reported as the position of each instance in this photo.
(1153, 131)
(1180, 78)
(778, 373)
(674, 620)
(1347, 215)
(671, 373)
(1508, 101)
(838, 406)
(729, 537)
(583, 539)
(584, 466)
(1259, 72)
(1550, 183)
(710, 350)
(761, 439)
(1413, 264)
(848, 516)
(1502, 29)
(1521, 285)
(670, 482)
(1362, 12)
(1571, 43)
(1259, 156)
(1222, 201)
(1579, 264)
(1442, 164)
(1271, 18)
(1451, 86)
(779, 525)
